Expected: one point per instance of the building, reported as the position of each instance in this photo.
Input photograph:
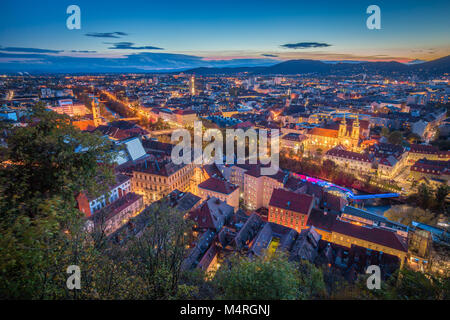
(435, 170)
(120, 130)
(290, 209)
(182, 202)
(272, 238)
(154, 180)
(292, 141)
(69, 107)
(362, 217)
(89, 204)
(306, 246)
(349, 160)
(192, 89)
(220, 189)
(8, 114)
(258, 188)
(212, 214)
(113, 216)
(421, 151)
(186, 117)
(235, 174)
(343, 233)
(388, 167)
(325, 139)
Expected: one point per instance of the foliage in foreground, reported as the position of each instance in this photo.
(41, 233)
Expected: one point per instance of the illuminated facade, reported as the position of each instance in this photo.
(192, 86)
(157, 180)
(258, 188)
(290, 209)
(327, 139)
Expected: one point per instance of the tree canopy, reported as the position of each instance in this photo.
(406, 214)
(264, 278)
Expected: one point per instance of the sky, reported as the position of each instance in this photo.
(168, 34)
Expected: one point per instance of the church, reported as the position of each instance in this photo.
(326, 139)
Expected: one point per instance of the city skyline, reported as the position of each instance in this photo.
(177, 35)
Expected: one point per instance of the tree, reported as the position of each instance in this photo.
(440, 196)
(406, 214)
(158, 125)
(45, 165)
(385, 132)
(265, 278)
(49, 158)
(395, 137)
(413, 138)
(312, 284)
(158, 254)
(413, 285)
(424, 196)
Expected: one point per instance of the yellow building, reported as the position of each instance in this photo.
(334, 230)
(258, 188)
(326, 139)
(220, 189)
(155, 180)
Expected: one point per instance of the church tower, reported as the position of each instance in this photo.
(192, 85)
(96, 113)
(355, 128)
(342, 128)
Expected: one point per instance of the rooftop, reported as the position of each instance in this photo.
(218, 185)
(288, 200)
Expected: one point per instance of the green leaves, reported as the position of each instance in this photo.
(46, 164)
(271, 278)
(414, 285)
(406, 214)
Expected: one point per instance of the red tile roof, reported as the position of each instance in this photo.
(336, 152)
(435, 167)
(375, 235)
(331, 223)
(320, 220)
(421, 148)
(218, 185)
(117, 206)
(202, 217)
(288, 200)
(323, 132)
(255, 171)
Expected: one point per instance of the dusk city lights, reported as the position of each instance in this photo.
(225, 159)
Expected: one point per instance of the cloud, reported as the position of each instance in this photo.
(116, 34)
(429, 51)
(305, 45)
(83, 51)
(269, 55)
(134, 62)
(31, 50)
(130, 45)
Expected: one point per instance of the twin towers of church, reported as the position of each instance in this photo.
(354, 134)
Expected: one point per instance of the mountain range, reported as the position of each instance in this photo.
(435, 67)
(152, 62)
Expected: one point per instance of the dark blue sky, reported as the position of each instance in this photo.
(225, 30)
